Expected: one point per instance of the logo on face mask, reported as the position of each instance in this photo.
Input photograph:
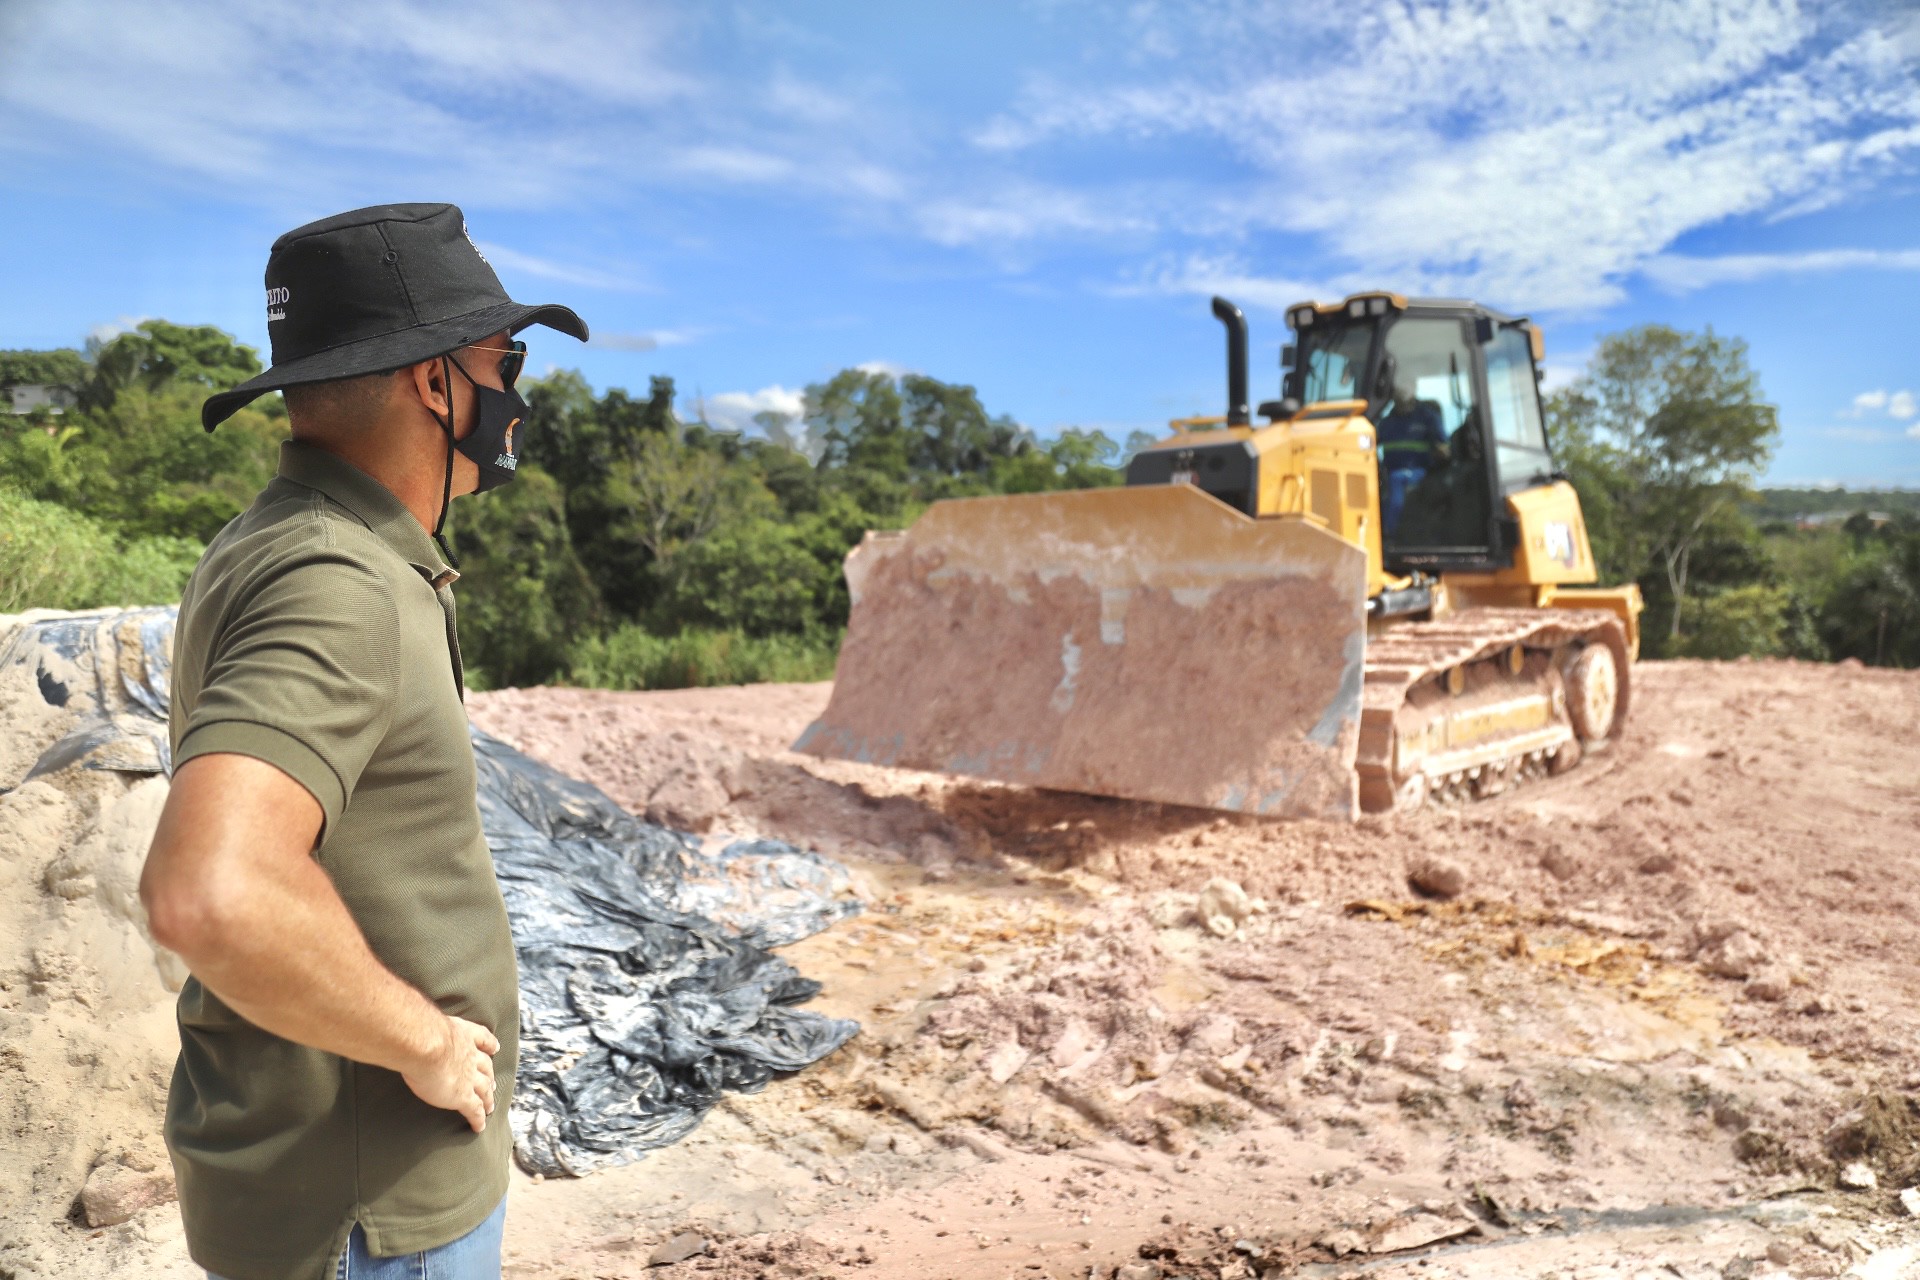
(497, 420)
(277, 303)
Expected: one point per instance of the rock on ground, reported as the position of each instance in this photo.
(114, 1193)
(1438, 877)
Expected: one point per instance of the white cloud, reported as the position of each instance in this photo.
(1913, 432)
(300, 103)
(1681, 274)
(528, 103)
(546, 269)
(640, 342)
(108, 330)
(1857, 435)
(1527, 154)
(736, 410)
(788, 95)
(1534, 155)
(1557, 372)
(732, 164)
(1898, 404)
(1230, 278)
(773, 412)
(886, 368)
(1015, 211)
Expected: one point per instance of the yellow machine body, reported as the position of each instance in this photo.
(1319, 466)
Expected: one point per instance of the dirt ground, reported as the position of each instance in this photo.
(1659, 1016)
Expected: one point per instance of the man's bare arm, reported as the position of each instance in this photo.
(230, 884)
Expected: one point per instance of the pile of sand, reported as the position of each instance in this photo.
(87, 1037)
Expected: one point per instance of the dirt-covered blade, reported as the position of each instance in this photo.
(1145, 642)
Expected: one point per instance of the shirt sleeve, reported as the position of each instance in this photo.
(303, 675)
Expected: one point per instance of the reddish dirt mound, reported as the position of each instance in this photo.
(1511, 1031)
(1660, 1015)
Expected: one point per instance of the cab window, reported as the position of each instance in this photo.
(1336, 359)
(1513, 404)
(1433, 479)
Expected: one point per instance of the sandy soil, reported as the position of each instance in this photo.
(1640, 1019)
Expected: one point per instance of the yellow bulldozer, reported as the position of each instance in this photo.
(1370, 601)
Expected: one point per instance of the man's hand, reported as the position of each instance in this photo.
(458, 1074)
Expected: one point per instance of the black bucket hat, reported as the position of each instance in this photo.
(376, 290)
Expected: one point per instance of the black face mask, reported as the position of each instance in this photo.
(491, 442)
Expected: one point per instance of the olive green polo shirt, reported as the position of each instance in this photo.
(317, 634)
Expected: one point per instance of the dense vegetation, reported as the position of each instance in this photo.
(1663, 437)
(635, 550)
(638, 550)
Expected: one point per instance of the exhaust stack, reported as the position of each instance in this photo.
(1230, 316)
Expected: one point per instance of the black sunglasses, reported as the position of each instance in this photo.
(512, 360)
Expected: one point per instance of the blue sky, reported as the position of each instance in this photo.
(1034, 198)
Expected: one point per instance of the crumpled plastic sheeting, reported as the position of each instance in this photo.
(647, 990)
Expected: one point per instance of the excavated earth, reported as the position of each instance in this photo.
(1659, 1016)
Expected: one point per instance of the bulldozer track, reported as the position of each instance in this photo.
(1472, 704)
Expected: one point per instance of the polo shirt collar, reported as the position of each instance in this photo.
(370, 502)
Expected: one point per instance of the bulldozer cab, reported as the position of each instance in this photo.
(1452, 389)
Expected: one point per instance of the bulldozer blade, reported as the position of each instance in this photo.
(1149, 642)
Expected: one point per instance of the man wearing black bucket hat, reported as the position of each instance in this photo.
(352, 1017)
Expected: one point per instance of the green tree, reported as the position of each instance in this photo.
(1664, 434)
(562, 434)
(525, 597)
(38, 459)
(678, 494)
(829, 533)
(64, 367)
(1076, 460)
(1748, 620)
(856, 417)
(148, 467)
(1872, 611)
(755, 576)
(156, 354)
(951, 431)
(55, 558)
(133, 454)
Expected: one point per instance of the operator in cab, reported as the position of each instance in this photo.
(1413, 442)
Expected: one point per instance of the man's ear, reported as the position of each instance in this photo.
(429, 382)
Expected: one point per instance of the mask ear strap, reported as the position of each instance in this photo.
(446, 486)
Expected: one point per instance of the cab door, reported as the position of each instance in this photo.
(1429, 374)
(1521, 460)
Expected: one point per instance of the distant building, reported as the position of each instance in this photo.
(27, 397)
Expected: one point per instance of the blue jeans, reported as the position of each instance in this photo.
(474, 1256)
(1400, 482)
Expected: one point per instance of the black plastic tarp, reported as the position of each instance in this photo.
(648, 987)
